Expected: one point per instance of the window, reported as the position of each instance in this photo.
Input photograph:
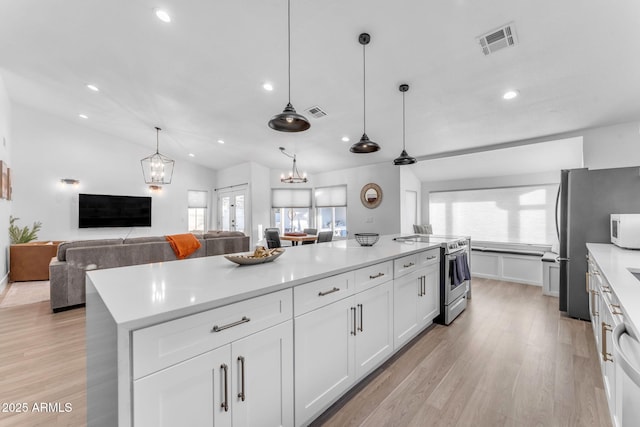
(197, 210)
(331, 210)
(291, 209)
(507, 215)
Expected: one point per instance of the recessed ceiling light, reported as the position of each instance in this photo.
(163, 15)
(83, 116)
(345, 139)
(220, 141)
(267, 87)
(510, 94)
(93, 88)
(191, 155)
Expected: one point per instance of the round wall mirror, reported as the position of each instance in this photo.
(371, 195)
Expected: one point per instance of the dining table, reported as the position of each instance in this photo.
(296, 238)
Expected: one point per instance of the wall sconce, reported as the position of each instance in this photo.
(69, 181)
(155, 188)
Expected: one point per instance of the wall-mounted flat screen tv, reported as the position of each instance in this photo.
(99, 210)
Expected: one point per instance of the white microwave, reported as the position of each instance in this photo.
(625, 230)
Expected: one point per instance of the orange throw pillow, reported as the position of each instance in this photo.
(183, 244)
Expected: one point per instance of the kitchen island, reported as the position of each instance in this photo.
(184, 339)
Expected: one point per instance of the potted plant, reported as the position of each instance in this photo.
(25, 234)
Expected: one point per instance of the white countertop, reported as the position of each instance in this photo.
(614, 263)
(146, 294)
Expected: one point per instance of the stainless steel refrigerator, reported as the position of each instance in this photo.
(586, 198)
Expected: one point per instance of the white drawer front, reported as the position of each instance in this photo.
(321, 292)
(429, 257)
(373, 275)
(165, 344)
(404, 265)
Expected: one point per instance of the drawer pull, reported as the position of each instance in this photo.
(321, 294)
(606, 357)
(606, 289)
(431, 257)
(614, 307)
(241, 394)
(376, 276)
(217, 328)
(408, 265)
(225, 403)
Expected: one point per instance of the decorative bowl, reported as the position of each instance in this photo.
(250, 259)
(366, 239)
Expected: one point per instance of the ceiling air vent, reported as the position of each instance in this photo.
(316, 111)
(498, 39)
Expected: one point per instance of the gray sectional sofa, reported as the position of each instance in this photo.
(67, 270)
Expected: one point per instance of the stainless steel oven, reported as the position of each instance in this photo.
(453, 293)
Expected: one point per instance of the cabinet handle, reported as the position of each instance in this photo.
(376, 276)
(421, 293)
(408, 265)
(424, 285)
(606, 289)
(217, 328)
(361, 328)
(241, 394)
(614, 307)
(321, 294)
(431, 257)
(586, 280)
(353, 312)
(225, 403)
(606, 357)
(593, 304)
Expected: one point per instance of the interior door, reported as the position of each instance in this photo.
(232, 214)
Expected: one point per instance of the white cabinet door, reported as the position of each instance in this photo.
(406, 292)
(324, 355)
(374, 334)
(429, 299)
(191, 393)
(262, 391)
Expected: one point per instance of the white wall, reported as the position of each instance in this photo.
(409, 182)
(6, 141)
(261, 201)
(614, 146)
(47, 149)
(385, 218)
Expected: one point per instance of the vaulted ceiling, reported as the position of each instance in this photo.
(200, 77)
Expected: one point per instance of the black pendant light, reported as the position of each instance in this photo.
(365, 145)
(404, 158)
(289, 120)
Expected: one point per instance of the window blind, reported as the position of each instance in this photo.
(331, 196)
(197, 199)
(523, 214)
(291, 198)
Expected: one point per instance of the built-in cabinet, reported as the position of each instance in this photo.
(248, 380)
(606, 314)
(416, 294)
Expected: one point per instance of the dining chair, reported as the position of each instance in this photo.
(272, 236)
(309, 231)
(422, 228)
(325, 236)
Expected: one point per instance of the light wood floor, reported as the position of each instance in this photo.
(510, 359)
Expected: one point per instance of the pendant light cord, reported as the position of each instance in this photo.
(364, 89)
(157, 140)
(403, 126)
(289, 44)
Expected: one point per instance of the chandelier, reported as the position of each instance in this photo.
(157, 168)
(294, 176)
